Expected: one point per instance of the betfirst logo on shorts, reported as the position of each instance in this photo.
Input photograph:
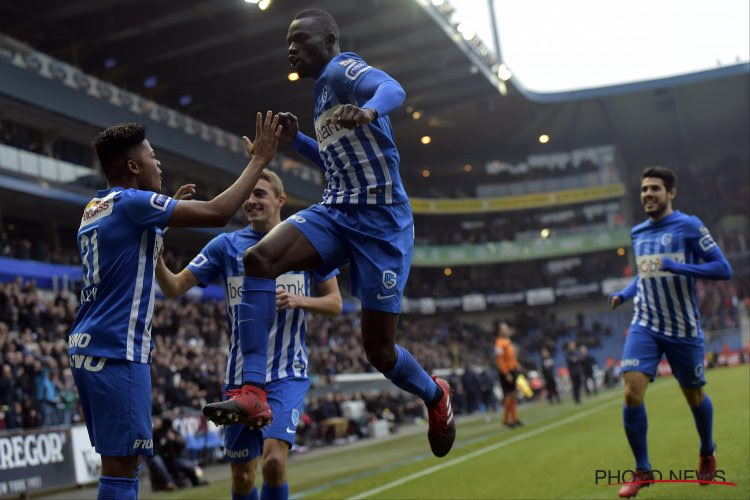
(648, 265)
(31, 450)
(143, 444)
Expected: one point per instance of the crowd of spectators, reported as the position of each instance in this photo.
(516, 276)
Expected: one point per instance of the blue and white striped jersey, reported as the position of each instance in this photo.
(665, 302)
(287, 352)
(119, 240)
(361, 165)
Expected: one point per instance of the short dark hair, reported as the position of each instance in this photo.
(323, 18)
(667, 176)
(113, 145)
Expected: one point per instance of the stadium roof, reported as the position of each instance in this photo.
(229, 57)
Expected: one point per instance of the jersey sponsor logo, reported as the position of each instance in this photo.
(630, 362)
(390, 278)
(79, 340)
(356, 69)
(237, 453)
(17, 452)
(97, 209)
(327, 134)
(160, 201)
(298, 219)
(87, 362)
(293, 283)
(234, 290)
(666, 239)
(143, 444)
(648, 265)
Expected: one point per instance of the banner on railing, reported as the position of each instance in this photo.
(514, 251)
(33, 460)
(445, 206)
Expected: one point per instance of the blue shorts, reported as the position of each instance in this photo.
(286, 397)
(377, 240)
(116, 403)
(644, 348)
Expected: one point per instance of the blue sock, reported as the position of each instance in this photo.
(274, 492)
(116, 488)
(137, 484)
(704, 418)
(256, 313)
(408, 375)
(253, 495)
(636, 426)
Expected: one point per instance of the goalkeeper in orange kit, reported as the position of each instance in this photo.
(507, 365)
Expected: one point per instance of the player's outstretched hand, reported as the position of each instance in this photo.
(266, 141)
(286, 300)
(614, 301)
(351, 117)
(185, 192)
(289, 127)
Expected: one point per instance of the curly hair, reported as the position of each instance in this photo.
(114, 144)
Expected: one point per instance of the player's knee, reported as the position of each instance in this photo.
(694, 396)
(380, 356)
(257, 264)
(274, 469)
(243, 478)
(633, 396)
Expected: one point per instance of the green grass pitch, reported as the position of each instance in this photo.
(555, 455)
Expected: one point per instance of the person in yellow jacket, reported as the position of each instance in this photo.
(507, 365)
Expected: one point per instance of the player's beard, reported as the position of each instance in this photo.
(661, 207)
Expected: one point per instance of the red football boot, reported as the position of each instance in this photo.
(707, 467)
(247, 406)
(442, 430)
(631, 489)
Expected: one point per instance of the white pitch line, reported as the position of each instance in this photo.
(482, 451)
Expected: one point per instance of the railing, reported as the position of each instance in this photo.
(49, 169)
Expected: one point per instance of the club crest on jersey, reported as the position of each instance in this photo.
(295, 417)
(666, 239)
(160, 201)
(356, 69)
(389, 279)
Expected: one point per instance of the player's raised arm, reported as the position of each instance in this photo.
(171, 284)
(714, 266)
(217, 212)
(383, 94)
(328, 302)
